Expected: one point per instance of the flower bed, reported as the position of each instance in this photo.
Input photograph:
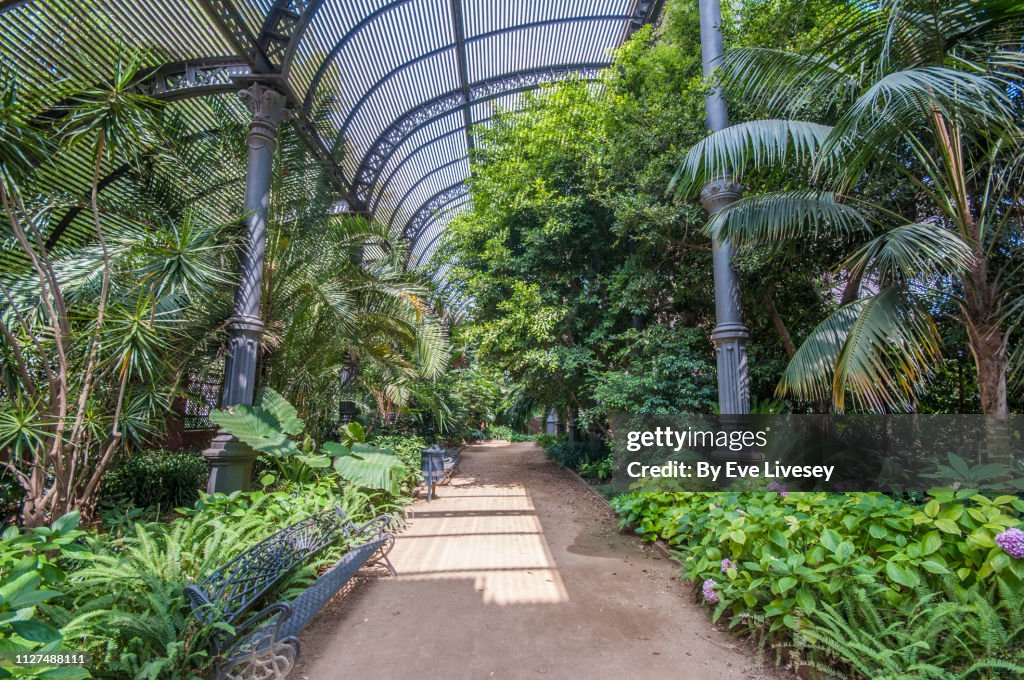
(791, 567)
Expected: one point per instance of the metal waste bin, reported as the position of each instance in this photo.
(432, 466)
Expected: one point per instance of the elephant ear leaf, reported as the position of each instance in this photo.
(287, 417)
(371, 469)
(257, 427)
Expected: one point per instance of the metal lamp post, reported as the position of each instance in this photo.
(230, 460)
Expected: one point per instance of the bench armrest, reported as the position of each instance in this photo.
(377, 525)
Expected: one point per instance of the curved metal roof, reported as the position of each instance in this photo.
(386, 92)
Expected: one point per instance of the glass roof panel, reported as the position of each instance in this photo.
(394, 84)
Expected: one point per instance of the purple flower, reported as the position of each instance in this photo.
(710, 596)
(775, 486)
(1012, 541)
(727, 565)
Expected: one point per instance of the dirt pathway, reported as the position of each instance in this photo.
(517, 571)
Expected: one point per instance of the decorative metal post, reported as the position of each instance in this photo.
(730, 334)
(347, 408)
(230, 460)
(551, 423)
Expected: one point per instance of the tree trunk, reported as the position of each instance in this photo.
(987, 340)
(780, 325)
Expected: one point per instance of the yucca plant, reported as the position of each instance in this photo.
(898, 137)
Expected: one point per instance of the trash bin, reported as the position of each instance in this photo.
(432, 466)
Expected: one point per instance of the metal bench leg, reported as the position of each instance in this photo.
(389, 543)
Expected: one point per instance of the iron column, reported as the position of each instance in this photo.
(730, 334)
(230, 460)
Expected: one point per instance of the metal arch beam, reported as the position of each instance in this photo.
(460, 58)
(431, 242)
(438, 215)
(321, 71)
(448, 212)
(196, 78)
(412, 154)
(394, 136)
(459, 30)
(227, 18)
(421, 180)
(283, 29)
(414, 227)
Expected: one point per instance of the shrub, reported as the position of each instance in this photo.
(599, 469)
(546, 441)
(33, 586)
(165, 479)
(506, 433)
(779, 558)
(128, 608)
(569, 454)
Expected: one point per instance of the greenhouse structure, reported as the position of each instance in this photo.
(467, 338)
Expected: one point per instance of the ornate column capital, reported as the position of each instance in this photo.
(268, 106)
(720, 192)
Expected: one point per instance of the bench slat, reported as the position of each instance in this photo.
(236, 586)
(312, 599)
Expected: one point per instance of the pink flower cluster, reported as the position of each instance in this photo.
(775, 486)
(727, 565)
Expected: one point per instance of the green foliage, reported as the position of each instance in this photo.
(32, 582)
(148, 478)
(927, 637)
(598, 469)
(505, 433)
(368, 467)
(906, 153)
(569, 454)
(664, 371)
(792, 554)
(264, 426)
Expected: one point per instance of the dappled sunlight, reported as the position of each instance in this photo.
(490, 534)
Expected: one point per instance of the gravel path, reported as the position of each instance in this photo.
(518, 571)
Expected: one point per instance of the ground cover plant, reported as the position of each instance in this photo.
(115, 591)
(801, 570)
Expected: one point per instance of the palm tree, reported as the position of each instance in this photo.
(898, 136)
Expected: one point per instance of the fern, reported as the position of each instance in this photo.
(962, 636)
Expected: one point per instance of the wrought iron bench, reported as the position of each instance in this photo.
(266, 645)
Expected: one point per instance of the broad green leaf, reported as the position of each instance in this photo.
(378, 471)
(931, 542)
(67, 522)
(35, 631)
(287, 417)
(900, 575)
(256, 427)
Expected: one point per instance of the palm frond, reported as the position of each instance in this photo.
(780, 83)
(746, 147)
(912, 251)
(878, 350)
(772, 217)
